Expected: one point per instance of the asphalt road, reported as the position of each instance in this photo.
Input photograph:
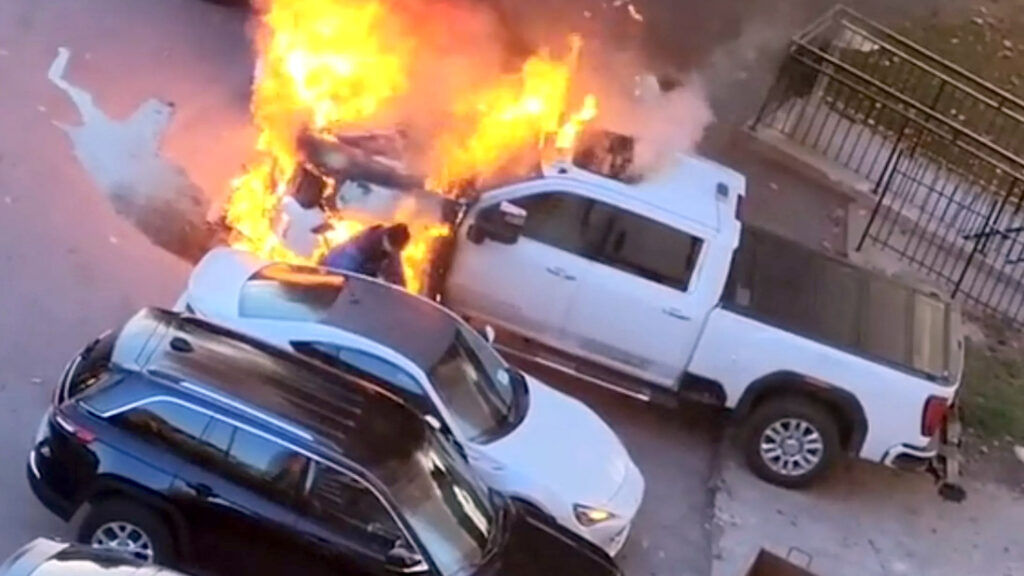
(72, 267)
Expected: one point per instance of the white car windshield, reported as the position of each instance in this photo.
(475, 386)
(445, 504)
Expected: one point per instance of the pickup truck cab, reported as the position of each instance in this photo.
(653, 287)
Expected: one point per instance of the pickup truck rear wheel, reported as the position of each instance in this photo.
(790, 441)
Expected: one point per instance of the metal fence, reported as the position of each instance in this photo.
(940, 148)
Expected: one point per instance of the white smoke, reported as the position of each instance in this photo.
(666, 118)
(668, 123)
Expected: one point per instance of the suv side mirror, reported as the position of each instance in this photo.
(404, 561)
(502, 223)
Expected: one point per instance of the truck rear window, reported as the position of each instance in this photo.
(89, 367)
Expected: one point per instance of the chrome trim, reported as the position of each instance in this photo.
(65, 378)
(247, 409)
(569, 371)
(33, 465)
(278, 441)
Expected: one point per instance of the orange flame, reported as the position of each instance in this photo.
(332, 65)
(515, 115)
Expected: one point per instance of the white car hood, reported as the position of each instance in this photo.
(565, 446)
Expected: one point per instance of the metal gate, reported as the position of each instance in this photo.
(942, 150)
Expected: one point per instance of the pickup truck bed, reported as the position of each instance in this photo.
(784, 284)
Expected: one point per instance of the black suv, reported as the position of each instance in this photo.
(196, 446)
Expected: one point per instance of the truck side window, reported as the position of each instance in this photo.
(556, 219)
(652, 250)
(612, 236)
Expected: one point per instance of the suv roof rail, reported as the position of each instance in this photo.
(237, 404)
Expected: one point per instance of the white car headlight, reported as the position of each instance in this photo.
(589, 516)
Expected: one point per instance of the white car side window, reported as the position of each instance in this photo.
(379, 367)
(339, 357)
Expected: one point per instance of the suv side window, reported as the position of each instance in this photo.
(170, 425)
(340, 358)
(260, 464)
(344, 505)
(612, 236)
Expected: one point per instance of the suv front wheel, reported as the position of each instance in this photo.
(790, 441)
(128, 527)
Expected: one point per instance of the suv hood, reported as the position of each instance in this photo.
(565, 446)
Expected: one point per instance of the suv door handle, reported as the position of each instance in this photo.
(202, 490)
(675, 313)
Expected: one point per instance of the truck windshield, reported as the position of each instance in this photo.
(476, 386)
(445, 504)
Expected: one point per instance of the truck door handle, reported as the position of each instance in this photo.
(560, 272)
(675, 313)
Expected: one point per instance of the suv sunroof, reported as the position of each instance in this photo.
(289, 292)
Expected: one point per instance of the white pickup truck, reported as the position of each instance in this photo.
(653, 288)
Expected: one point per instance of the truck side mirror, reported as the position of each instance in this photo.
(502, 223)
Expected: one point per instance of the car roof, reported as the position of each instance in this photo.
(215, 368)
(409, 324)
(412, 326)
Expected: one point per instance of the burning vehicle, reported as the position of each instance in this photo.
(346, 181)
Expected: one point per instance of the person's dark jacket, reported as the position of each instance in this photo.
(364, 254)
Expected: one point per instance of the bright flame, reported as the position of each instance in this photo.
(514, 116)
(335, 65)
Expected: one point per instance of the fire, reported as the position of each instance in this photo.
(328, 66)
(515, 115)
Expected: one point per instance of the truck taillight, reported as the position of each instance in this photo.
(933, 417)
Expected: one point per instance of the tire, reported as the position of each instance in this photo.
(814, 439)
(111, 517)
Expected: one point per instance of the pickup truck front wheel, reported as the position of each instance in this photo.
(791, 441)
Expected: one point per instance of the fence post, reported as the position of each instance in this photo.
(981, 238)
(780, 79)
(892, 162)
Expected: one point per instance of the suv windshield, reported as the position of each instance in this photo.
(445, 504)
(476, 386)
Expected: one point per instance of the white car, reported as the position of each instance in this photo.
(524, 438)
